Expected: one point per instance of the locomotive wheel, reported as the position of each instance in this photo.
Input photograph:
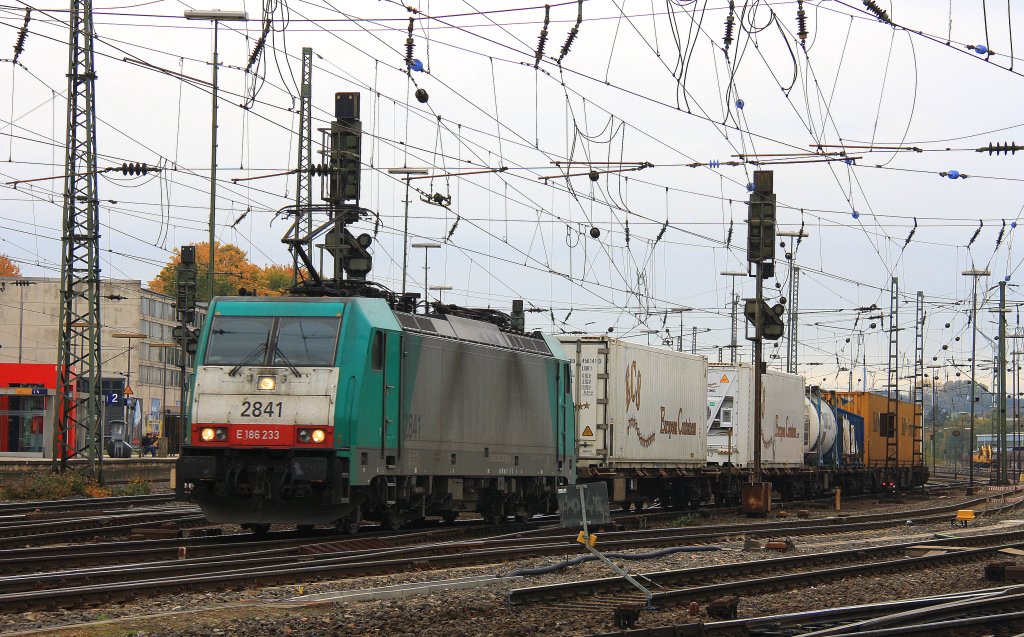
(393, 519)
(349, 525)
(522, 517)
(449, 516)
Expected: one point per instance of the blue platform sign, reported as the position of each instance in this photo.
(113, 398)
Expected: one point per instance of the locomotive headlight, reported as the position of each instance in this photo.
(266, 383)
(303, 435)
(207, 434)
(318, 435)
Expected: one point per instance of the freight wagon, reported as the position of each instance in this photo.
(640, 419)
(730, 424)
(906, 433)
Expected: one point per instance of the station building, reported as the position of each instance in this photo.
(140, 362)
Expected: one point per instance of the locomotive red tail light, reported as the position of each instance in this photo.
(304, 435)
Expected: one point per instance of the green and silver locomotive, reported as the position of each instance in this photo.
(307, 411)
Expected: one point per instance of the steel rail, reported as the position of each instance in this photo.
(268, 569)
(686, 595)
(821, 621)
(349, 550)
(7, 508)
(682, 576)
(61, 532)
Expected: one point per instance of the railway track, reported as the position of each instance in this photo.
(21, 560)
(11, 508)
(952, 614)
(713, 581)
(50, 530)
(47, 555)
(270, 565)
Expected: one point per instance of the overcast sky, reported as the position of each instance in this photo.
(643, 81)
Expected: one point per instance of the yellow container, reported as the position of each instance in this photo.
(869, 407)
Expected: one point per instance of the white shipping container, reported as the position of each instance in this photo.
(637, 406)
(730, 424)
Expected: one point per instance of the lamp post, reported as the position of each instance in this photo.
(735, 302)
(128, 376)
(440, 290)
(216, 16)
(408, 172)
(974, 274)
(427, 247)
(163, 380)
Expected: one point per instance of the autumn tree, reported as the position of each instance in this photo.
(233, 271)
(277, 278)
(8, 267)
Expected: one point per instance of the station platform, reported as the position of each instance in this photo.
(115, 470)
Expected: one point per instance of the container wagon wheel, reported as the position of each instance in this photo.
(449, 516)
(495, 515)
(258, 529)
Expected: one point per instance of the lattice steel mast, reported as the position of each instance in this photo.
(792, 319)
(917, 458)
(304, 177)
(890, 429)
(79, 427)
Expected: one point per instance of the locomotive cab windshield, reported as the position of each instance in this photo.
(289, 341)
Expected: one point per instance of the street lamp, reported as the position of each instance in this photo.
(216, 16)
(128, 376)
(163, 381)
(408, 172)
(440, 289)
(974, 274)
(427, 247)
(735, 303)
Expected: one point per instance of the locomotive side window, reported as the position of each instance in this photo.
(233, 339)
(377, 354)
(307, 341)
